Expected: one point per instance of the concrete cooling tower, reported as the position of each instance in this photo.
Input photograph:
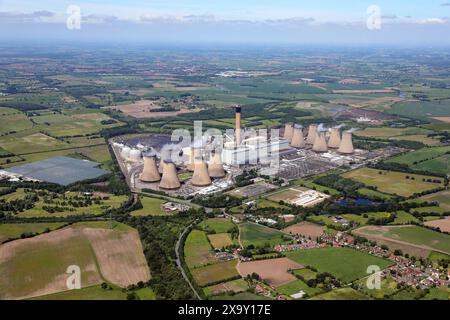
(335, 138)
(298, 141)
(320, 143)
(346, 146)
(194, 153)
(288, 131)
(200, 178)
(215, 166)
(166, 154)
(169, 178)
(311, 134)
(150, 172)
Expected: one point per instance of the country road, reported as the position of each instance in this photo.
(178, 260)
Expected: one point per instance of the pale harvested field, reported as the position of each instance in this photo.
(141, 109)
(364, 91)
(274, 271)
(37, 266)
(305, 229)
(443, 224)
(119, 255)
(443, 119)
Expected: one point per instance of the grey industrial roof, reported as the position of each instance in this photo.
(60, 170)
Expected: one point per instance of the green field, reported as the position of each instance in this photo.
(438, 165)
(241, 296)
(197, 250)
(438, 293)
(258, 235)
(344, 263)
(90, 293)
(15, 230)
(215, 273)
(388, 287)
(145, 294)
(341, 294)
(392, 182)
(151, 207)
(369, 193)
(421, 109)
(305, 273)
(297, 286)
(235, 286)
(220, 240)
(218, 225)
(410, 158)
(443, 197)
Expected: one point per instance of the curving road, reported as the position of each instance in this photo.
(178, 260)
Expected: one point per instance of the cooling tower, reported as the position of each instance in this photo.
(135, 155)
(346, 146)
(298, 140)
(311, 134)
(194, 153)
(335, 138)
(150, 172)
(320, 143)
(215, 166)
(288, 131)
(166, 154)
(169, 178)
(200, 178)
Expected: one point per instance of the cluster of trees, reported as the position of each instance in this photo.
(218, 200)
(347, 186)
(19, 205)
(393, 166)
(246, 178)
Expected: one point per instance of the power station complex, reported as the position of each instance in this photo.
(210, 165)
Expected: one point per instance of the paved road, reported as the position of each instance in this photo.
(178, 260)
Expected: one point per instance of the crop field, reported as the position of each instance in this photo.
(235, 286)
(37, 266)
(344, 263)
(220, 240)
(305, 229)
(15, 230)
(428, 141)
(393, 182)
(13, 120)
(442, 197)
(438, 165)
(151, 207)
(412, 236)
(387, 132)
(442, 224)
(218, 225)
(274, 271)
(342, 294)
(421, 109)
(297, 286)
(259, 235)
(411, 158)
(90, 293)
(369, 193)
(215, 273)
(197, 250)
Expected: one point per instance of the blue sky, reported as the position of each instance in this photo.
(409, 21)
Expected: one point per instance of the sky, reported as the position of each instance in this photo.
(235, 21)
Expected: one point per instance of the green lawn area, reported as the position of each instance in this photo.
(146, 294)
(220, 240)
(151, 207)
(214, 273)
(404, 218)
(315, 186)
(388, 287)
(197, 250)
(322, 219)
(219, 225)
(305, 273)
(438, 293)
(393, 182)
(236, 286)
(264, 203)
(15, 230)
(258, 235)
(344, 263)
(90, 293)
(443, 197)
(410, 158)
(369, 193)
(297, 286)
(341, 294)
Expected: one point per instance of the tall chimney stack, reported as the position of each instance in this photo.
(335, 138)
(346, 146)
(150, 172)
(288, 131)
(238, 124)
(169, 178)
(311, 134)
(298, 141)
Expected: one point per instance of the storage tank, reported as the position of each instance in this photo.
(346, 146)
(169, 178)
(150, 172)
(298, 141)
(215, 165)
(311, 134)
(288, 131)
